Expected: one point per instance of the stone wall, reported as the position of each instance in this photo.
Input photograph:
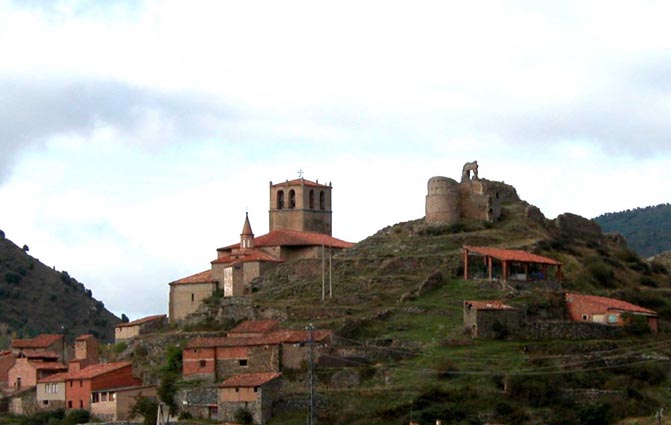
(185, 299)
(569, 330)
(492, 324)
(227, 309)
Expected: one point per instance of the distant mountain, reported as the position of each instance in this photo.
(37, 299)
(648, 230)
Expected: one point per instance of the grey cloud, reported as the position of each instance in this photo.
(31, 112)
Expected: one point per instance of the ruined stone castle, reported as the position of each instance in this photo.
(449, 201)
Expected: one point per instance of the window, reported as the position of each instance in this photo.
(193, 297)
(81, 404)
(612, 318)
(242, 362)
(72, 383)
(292, 199)
(237, 390)
(113, 396)
(203, 363)
(81, 383)
(280, 199)
(311, 200)
(103, 396)
(95, 398)
(69, 404)
(585, 317)
(322, 200)
(256, 389)
(45, 402)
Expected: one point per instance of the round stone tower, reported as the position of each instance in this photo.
(442, 201)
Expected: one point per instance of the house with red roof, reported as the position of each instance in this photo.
(300, 227)
(607, 311)
(490, 319)
(115, 404)
(52, 343)
(254, 328)
(28, 370)
(81, 383)
(126, 331)
(508, 265)
(254, 392)
(216, 358)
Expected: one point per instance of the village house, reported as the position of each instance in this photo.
(115, 404)
(254, 392)
(49, 343)
(508, 265)
(51, 392)
(490, 319)
(26, 371)
(80, 384)
(126, 331)
(300, 227)
(217, 358)
(607, 311)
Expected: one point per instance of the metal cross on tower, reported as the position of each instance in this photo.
(300, 174)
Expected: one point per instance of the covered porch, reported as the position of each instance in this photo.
(508, 265)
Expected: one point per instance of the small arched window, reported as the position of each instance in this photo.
(322, 200)
(312, 199)
(292, 199)
(280, 199)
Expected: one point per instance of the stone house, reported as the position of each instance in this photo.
(80, 383)
(115, 404)
(26, 371)
(51, 343)
(22, 402)
(300, 227)
(254, 392)
(217, 358)
(51, 392)
(125, 331)
(490, 319)
(607, 311)
(295, 346)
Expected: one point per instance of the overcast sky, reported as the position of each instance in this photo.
(134, 135)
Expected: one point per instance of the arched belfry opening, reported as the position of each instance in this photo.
(322, 200)
(280, 199)
(311, 199)
(292, 199)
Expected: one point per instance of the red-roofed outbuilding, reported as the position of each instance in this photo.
(255, 392)
(607, 311)
(509, 264)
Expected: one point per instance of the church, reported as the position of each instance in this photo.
(300, 218)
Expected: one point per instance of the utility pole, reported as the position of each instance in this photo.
(330, 273)
(323, 275)
(311, 375)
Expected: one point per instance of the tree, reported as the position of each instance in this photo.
(147, 408)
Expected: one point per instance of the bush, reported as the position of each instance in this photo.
(243, 416)
(79, 416)
(147, 408)
(13, 278)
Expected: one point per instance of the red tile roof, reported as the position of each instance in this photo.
(48, 365)
(58, 377)
(34, 354)
(298, 182)
(489, 305)
(250, 379)
(142, 321)
(96, 370)
(40, 341)
(295, 336)
(512, 255)
(602, 305)
(256, 326)
(202, 277)
(246, 255)
(294, 238)
(85, 337)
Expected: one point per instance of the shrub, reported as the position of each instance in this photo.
(147, 408)
(13, 278)
(657, 267)
(79, 416)
(243, 416)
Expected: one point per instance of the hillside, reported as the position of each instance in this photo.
(398, 307)
(648, 230)
(37, 299)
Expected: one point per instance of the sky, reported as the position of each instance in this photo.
(134, 135)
